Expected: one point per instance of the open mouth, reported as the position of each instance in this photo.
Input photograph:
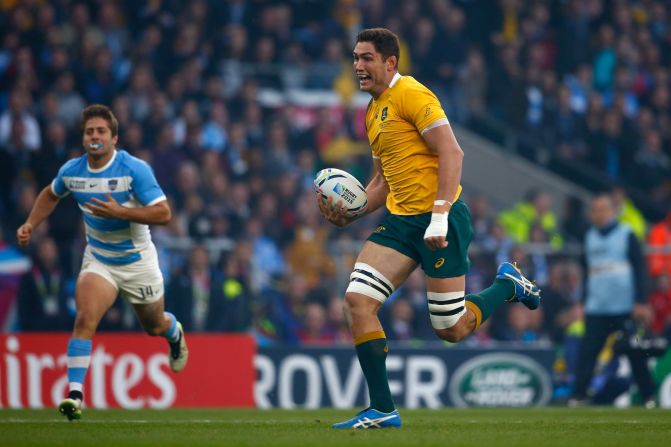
(363, 78)
(95, 145)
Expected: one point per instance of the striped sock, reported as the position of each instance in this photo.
(172, 334)
(79, 358)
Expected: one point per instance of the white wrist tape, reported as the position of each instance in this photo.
(442, 202)
(438, 225)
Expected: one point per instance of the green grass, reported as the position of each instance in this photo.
(448, 427)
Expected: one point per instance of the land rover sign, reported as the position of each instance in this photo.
(500, 380)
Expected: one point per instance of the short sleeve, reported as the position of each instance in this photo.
(58, 185)
(421, 107)
(144, 185)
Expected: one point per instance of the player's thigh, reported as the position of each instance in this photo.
(446, 285)
(395, 266)
(94, 295)
(141, 282)
(377, 272)
(452, 261)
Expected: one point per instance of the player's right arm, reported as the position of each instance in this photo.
(44, 205)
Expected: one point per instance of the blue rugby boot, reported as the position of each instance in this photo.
(526, 292)
(370, 418)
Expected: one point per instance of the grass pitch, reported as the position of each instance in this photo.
(448, 427)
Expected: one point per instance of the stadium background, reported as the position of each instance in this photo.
(229, 101)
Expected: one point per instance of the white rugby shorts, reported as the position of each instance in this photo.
(139, 283)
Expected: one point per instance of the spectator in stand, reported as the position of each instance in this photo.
(43, 301)
(336, 321)
(315, 329)
(307, 253)
(498, 242)
(522, 326)
(537, 209)
(30, 136)
(574, 224)
(401, 324)
(652, 166)
(208, 298)
(560, 297)
(189, 293)
(627, 212)
(660, 301)
(659, 240)
(480, 217)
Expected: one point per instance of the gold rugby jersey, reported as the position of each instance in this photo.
(395, 123)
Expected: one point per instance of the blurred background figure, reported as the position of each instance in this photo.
(615, 293)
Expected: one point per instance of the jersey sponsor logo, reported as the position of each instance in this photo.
(384, 114)
(427, 111)
(77, 184)
(439, 263)
(500, 380)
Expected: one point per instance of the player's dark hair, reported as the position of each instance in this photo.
(385, 42)
(100, 111)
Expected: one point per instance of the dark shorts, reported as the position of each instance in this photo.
(405, 234)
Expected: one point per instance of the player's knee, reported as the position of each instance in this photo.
(368, 289)
(86, 320)
(356, 305)
(445, 311)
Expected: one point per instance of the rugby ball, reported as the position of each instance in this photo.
(342, 186)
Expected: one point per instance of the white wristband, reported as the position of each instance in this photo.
(438, 226)
(442, 202)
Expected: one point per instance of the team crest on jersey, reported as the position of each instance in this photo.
(112, 184)
(384, 114)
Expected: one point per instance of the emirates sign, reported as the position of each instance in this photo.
(128, 371)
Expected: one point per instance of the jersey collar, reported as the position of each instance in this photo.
(395, 79)
(107, 165)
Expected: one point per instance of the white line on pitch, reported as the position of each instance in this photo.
(156, 421)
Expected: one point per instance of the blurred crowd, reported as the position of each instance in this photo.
(200, 90)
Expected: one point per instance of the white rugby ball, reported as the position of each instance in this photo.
(342, 186)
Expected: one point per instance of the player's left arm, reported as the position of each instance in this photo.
(156, 214)
(442, 141)
(155, 209)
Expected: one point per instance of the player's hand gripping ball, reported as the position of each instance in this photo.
(342, 187)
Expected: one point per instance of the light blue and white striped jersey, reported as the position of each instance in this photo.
(131, 182)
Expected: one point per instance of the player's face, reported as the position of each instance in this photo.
(98, 140)
(371, 69)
